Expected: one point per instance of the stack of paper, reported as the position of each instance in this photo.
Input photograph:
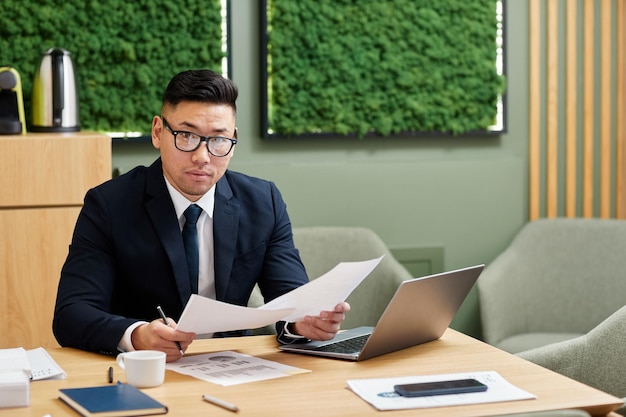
(14, 378)
(14, 389)
(36, 363)
(18, 367)
(14, 359)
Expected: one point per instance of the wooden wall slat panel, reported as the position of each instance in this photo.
(577, 165)
(606, 155)
(571, 103)
(620, 111)
(552, 109)
(534, 128)
(588, 107)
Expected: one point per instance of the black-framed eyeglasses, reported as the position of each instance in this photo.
(189, 141)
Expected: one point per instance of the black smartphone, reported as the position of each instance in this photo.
(424, 389)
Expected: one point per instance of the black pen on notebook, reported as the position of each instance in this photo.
(164, 317)
(220, 403)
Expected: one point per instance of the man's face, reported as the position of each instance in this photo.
(193, 173)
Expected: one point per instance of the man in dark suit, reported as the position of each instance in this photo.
(128, 255)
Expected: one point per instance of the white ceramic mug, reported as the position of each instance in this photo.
(144, 368)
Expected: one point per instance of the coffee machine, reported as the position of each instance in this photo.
(11, 102)
(55, 98)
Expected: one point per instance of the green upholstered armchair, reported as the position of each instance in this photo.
(557, 280)
(322, 248)
(597, 358)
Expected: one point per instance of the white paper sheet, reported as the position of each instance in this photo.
(43, 366)
(380, 393)
(204, 315)
(323, 293)
(230, 368)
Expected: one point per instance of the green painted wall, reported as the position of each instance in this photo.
(467, 195)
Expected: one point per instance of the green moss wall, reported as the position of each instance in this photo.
(381, 67)
(124, 52)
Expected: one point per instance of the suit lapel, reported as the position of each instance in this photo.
(225, 229)
(163, 216)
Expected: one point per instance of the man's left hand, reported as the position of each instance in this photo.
(325, 326)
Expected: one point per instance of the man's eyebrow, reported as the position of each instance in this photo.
(189, 125)
(194, 128)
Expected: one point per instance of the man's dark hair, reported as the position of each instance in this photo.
(201, 85)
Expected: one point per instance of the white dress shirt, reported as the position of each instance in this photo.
(206, 270)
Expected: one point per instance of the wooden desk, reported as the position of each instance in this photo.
(323, 392)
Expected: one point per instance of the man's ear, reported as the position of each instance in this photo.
(157, 128)
(235, 137)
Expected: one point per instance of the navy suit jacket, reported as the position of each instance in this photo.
(127, 255)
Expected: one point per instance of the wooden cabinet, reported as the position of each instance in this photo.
(43, 180)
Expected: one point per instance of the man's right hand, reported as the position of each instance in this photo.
(156, 335)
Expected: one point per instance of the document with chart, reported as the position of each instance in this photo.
(231, 368)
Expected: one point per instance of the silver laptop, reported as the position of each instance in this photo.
(420, 311)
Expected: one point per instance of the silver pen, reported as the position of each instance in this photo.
(221, 403)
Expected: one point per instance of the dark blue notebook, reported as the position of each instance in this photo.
(111, 401)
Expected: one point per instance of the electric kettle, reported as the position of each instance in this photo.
(55, 99)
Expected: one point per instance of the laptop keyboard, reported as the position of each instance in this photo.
(345, 346)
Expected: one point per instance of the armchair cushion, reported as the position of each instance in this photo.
(522, 342)
(597, 358)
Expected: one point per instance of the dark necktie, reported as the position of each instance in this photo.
(190, 240)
